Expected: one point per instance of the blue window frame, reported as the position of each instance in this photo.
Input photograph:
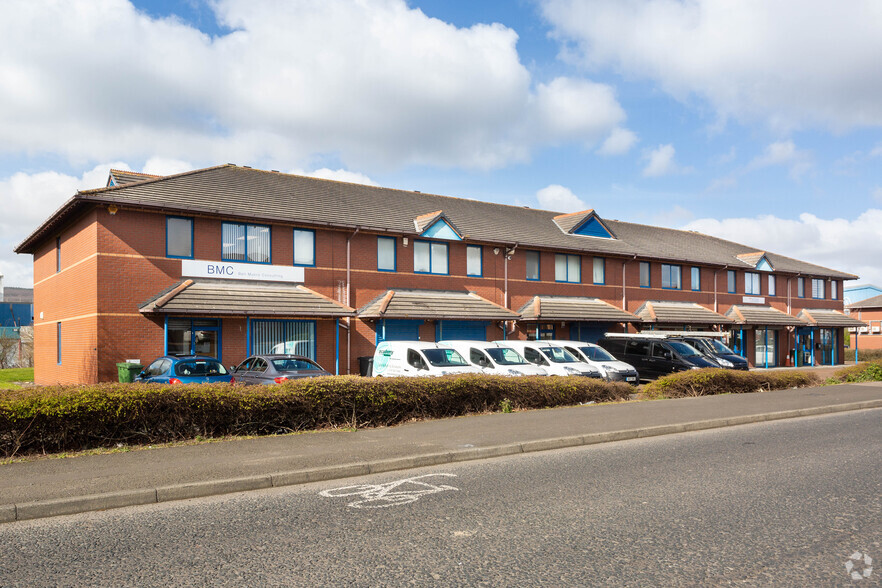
(58, 342)
(246, 243)
(567, 268)
(475, 261)
(57, 254)
(752, 283)
(304, 247)
(671, 277)
(188, 336)
(599, 270)
(387, 256)
(730, 281)
(800, 287)
(696, 279)
(645, 280)
(282, 336)
(430, 257)
(179, 237)
(533, 267)
(818, 289)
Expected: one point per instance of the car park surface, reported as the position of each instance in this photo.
(276, 368)
(184, 369)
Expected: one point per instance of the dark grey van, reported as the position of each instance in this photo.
(654, 357)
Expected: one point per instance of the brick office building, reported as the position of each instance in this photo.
(229, 260)
(869, 311)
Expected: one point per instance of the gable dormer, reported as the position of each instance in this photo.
(757, 260)
(586, 223)
(436, 225)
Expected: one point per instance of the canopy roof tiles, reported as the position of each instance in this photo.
(762, 315)
(573, 308)
(817, 317)
(680, 313)
(434, 305)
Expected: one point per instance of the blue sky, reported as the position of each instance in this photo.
(734, 119)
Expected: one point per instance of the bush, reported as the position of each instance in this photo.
(864, 354)
(862, 372)
(62, 418)
(707, 382)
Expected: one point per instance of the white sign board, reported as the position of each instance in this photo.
(197, 268)
(753, 300)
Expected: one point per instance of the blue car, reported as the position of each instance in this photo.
(184, 369)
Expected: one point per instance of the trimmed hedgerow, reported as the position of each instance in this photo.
(64, 418)
(863, 372)
(708, 382)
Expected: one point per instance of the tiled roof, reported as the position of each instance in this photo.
(240, 192)
(686, 313)
(434, 304)
(762, 315)
(874, 302)
(121, 177)
(828, 318)
(573, 308)
(253, 299)
(752, 258)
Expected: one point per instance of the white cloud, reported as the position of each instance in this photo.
(877, 194)
(370, 82)
(559, 199)
(619, 141)
(786, 154)
(850, 245)
(661, 162)
(162, 166)
(790, 63)
(341, 175)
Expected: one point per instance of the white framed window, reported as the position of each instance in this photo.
(474, 263)
(567, 268)
(304, 247)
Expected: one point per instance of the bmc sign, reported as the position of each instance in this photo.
(196, 268)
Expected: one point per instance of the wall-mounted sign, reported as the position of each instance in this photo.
(197, 268)
(753, 300)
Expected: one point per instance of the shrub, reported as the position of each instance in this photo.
(865, 354)
(862, 372)
(719, 381)
(63, 418)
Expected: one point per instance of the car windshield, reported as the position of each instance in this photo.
(596, 354)
(684, 349)
(199, 368)
(294, 365)
(444, 357)
(505, 356)
(558, 354)
(720, 348)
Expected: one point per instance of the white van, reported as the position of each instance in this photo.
(610, 368)
(556, 360)
(495, 358)
(418, 358)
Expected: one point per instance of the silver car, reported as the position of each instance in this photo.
(276, 368)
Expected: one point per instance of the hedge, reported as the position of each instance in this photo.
(66, 418)
(707, 382)
(862, 372)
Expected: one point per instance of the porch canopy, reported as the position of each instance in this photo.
(253, 299)
(827, 318)
(574, 308)
(765, 316)
(435, 305)
(679, 313)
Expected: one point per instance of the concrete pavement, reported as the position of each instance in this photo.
(51, 487)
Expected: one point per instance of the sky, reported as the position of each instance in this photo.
(750, 120)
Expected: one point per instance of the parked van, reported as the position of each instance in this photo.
(716, 351)
(610, 368)
(418, 358)
(556, 360)
(495, 358)
(655, 356)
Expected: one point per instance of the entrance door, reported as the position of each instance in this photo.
(803, 346)
(588, 332)
(461, 330)
(766, 347)
(826, 348)
(193, 337)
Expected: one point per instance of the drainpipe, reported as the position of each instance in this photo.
(349, 300)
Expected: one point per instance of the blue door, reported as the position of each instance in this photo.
(588, 332)
(461, 330)
(398, 330)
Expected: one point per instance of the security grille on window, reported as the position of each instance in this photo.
(599, 270)
(817, 288)
(751, 283)
(644, 274)
(429, 257)
(567, 268)
(245, 243)
(671, 276)
(532, 265)
(473, 260)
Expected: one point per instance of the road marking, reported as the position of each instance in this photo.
(391, 493)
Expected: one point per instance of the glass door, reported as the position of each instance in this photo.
(193, 337)
(766, 347)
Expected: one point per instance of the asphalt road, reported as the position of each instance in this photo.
(784, 503)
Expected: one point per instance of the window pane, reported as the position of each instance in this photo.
(800, 287)
(676, 281)
(385, 253)
(644, 274)
(599, 270)
(179, 233)
(258, 244)
(771, 285)
(574, 268)
(696, 278)
(420, 256)
(731, 279)
(304, 247)
(834, 290)
(560, 268)
(532, 265)
(473, 261)
(439, 258)
(233, 237)
(751, 283)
